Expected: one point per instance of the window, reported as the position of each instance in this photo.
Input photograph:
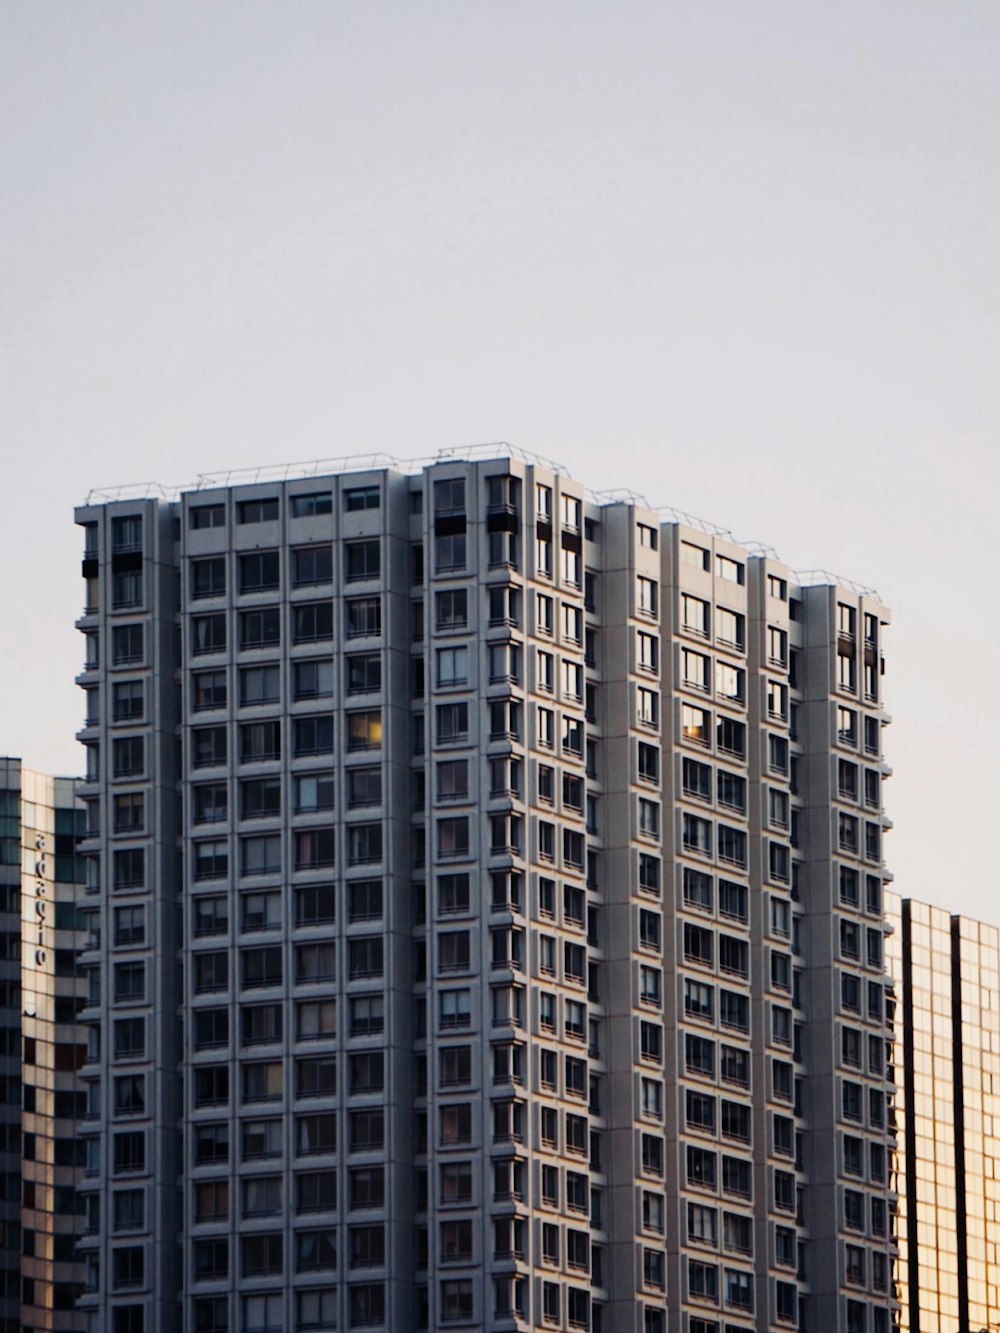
(126, 589)
(731, 790)
(734, 1012)
(698, 999)
(699, 1056)
(261, 967)
(730, 570)
(257, 511)
(649, 818)
(129, 812)
(732, 845)
(449, 552)
(730, 627)
(735, 1124)
(700, 1112)
(364, 730)
(315, 962)
(647, 536)
(647, 707)
(650, 985)
(129, 1152)
(737, 1177)
(130, 925)
(734, 1064)
(129, 700)
(312, 622)
(452, 667)
(694, 615)
(730, 737)
(648, 762)
(260, 855)
(208, 635)
(702, 1224)
(358, 498)
(362, 560)
(259, 571)
(259, 740)
(211, 859)
(128, 756)
(729, 681)
(126, 533)
(697, 889)
(260, 628)
(738, 1289)
(697, 834)
(734, 956)
(207, 516)
(364, 616)
(312, 565)
(130, 983)
(365, 957)
(732, 900)
(703, 1281)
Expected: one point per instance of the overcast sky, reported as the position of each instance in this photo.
(740, 257)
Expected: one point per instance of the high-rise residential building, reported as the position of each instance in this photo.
(41, 823)
(947, 1058)
(488, 925)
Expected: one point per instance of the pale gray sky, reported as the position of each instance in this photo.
(739, 257)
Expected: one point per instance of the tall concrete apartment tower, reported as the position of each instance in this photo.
(490, 887)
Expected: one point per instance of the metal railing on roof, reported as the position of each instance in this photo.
(692, 521)
(620, 495)
(320, 467)
(279, 472)
(499, 449)
(140, 490)
(814, 577)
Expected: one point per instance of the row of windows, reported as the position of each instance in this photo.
(315, 1309)
(312, 905)
(266, 509)
(504, 608)
(264, 966)
(262, 854)
(309, 622)
(259, 741)
(260, 571)
(737, 1289)
(726, 568)
(315, 1020)
(312, 849)
(852, 990)
(696, 618)
(311, 678)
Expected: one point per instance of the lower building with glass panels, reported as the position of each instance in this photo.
(947, 1061)
(41, 823)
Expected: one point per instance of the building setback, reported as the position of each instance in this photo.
(487, 888)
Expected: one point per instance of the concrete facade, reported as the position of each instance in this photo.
(487, 897)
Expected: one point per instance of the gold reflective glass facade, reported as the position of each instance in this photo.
(947, 1054)
(43, 822)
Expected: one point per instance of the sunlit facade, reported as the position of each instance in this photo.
(947, 1059)
(41, 823)
(485, 886)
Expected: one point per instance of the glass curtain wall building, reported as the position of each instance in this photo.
(947, 1058)
(485, 886)
(41, 823)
